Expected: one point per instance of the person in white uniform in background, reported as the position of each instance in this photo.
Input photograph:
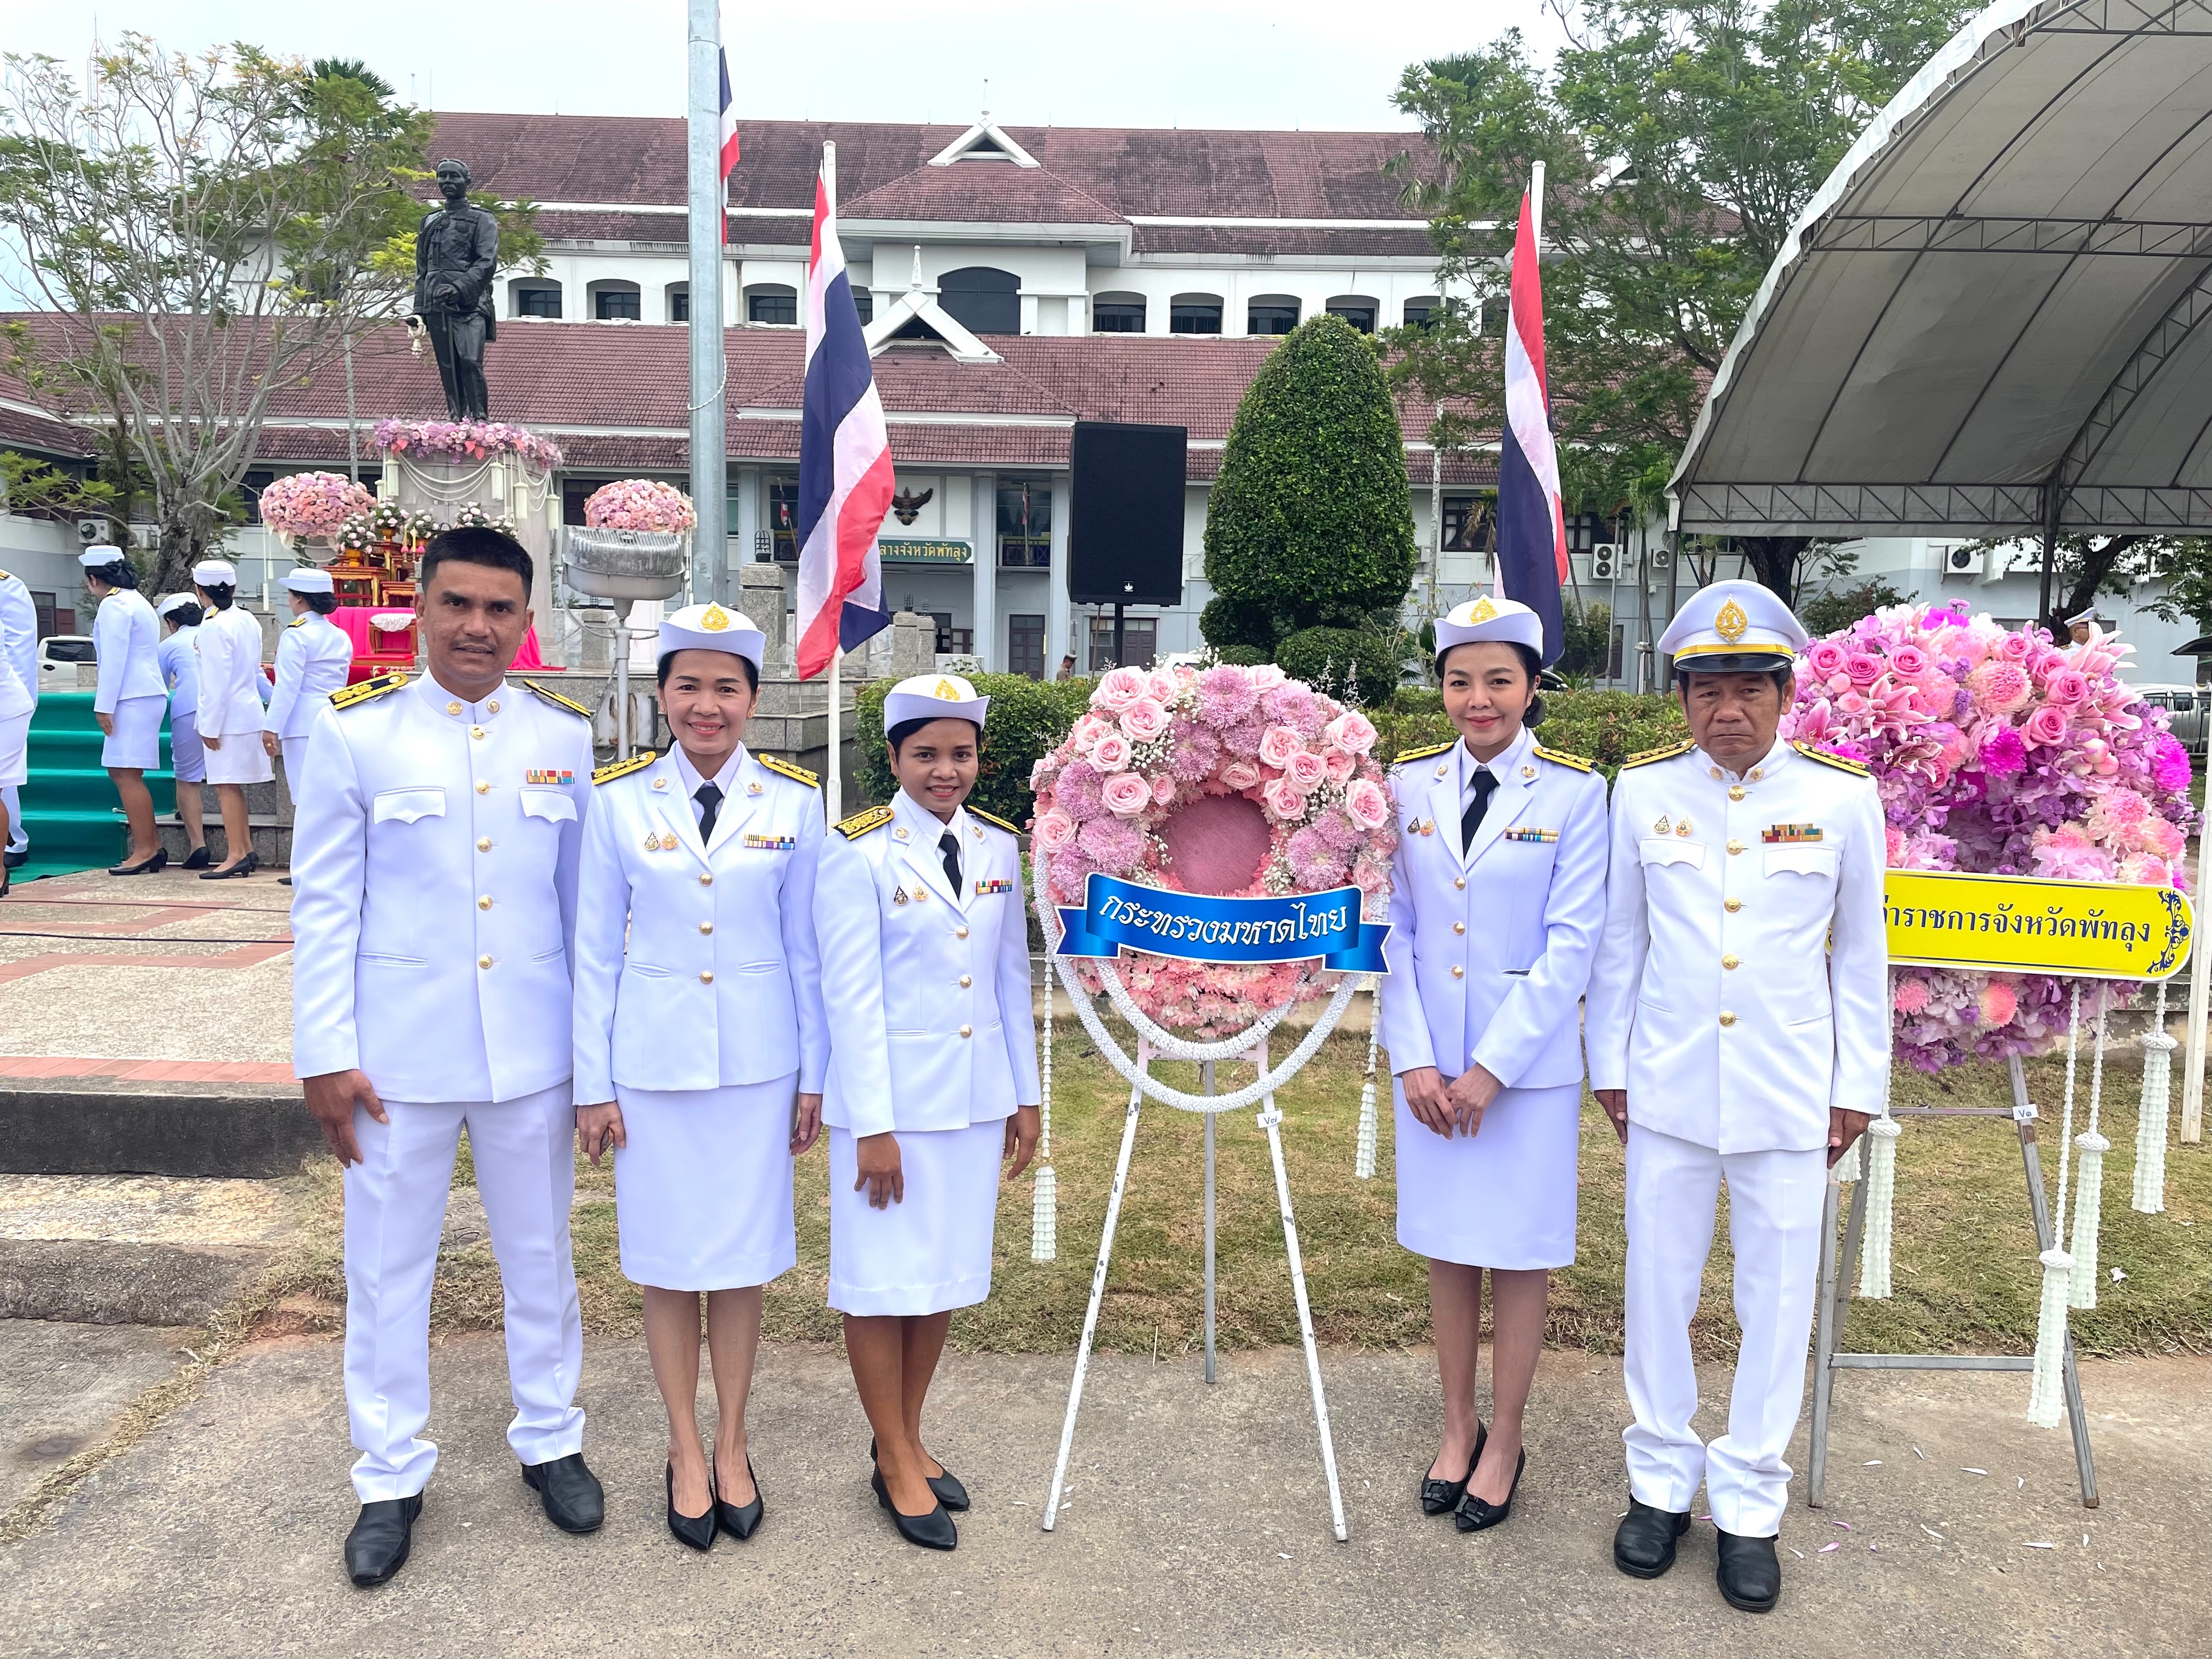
(179, 617)
(933, 1073)
(1739, 1032)
(1494, 909)
(230, 710)
(313, 657)
(129, 698)
(700, 1040)
(434, 912)
(19, 699)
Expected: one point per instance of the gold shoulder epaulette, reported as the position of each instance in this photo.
(784, 768)
(993, 818)
(349, 697)
(558, 700)
(621, 769)
(861, 823)
(1560, 757)
(296, 620)
(1422, 754)
(1650, 755)
(1826, 759)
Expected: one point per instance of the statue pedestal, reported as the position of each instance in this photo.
(501, 485)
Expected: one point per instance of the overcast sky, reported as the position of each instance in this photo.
(1312, 64)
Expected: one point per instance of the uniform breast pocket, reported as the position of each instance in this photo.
(1655, 852)
(552, 806)
(407, 805)
(1801, 861)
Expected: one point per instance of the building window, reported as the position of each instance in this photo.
(772, 302)
(1490, 318)
(538, 300)
(951, 642)
(679, 302)
(250, 488)
(1422, 313)
(1195, 313)
(1025, 646)
(1271, 313)
(1024, 524)
(49, 613)
(1118, 313)
(1138, 635)
(618, 304)
(1468, 521)
(863, 302)
(783, 517)
(982, 299)
(1357, 309)
(575, 492)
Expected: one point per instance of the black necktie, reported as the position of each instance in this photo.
(1471, 820)
(709, 799)
(949, 845)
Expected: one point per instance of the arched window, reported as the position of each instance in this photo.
(984, 299)
(1271, 313)
(772, 302)
(533, 297)
(615, 301)
(1424, 310)
(1118, 313)
(679, 302)
(1360, 310)
(1195, 313)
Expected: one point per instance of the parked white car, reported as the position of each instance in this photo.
(58, 656)
(2190, 705)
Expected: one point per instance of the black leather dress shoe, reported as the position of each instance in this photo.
(16, 858)
(1479, 1514)
(232, 872)
(950, 1492)
(1441, 1496)
(933, 1531)
(697, 1531)
(196, 859)
(573, 1499)
(1643, 1543)
(1749, 1573)
(158, 862)
(377, 1547)
(740, 1521)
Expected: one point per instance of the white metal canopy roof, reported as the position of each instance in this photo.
(1996, 313)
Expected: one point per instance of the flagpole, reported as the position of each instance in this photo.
(709, 373)
(833, 769)
(1536, 205)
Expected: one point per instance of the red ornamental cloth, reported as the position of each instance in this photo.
(375, 651)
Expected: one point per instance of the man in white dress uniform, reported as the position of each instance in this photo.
(435, 859)
(1738, 1031)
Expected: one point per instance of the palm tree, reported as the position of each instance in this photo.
(352, 68)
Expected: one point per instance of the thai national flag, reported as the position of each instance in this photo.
(1532, 534)
(729, 138)
(844, 463)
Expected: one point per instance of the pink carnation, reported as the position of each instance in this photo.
(1278, 743)
(1352, 732)
(1307, 770)
(1076, 792)
(2170, 765)
(1911, 995)
(1339, 832)
(1053, 830)
(1145, 720)
(1225, 695)
(1312, 861)
(1999, 1003)
(1241, 774)
(1125, 795)
(1283, 798)
(1114, 842)
(1110, 753)
(1121, 689)
(1366, 804)
(2004, 753)
(2163, 839)
(1070, 865)
(2046, 726)
(2000, 687)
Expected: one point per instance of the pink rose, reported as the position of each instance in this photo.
(1110, 753)
(1266, 676)
(1125, 795)
(1366, 804)
(1863, 668)
(1825, 658)
(2045, 726)
(1163, 686)
(2069, 687)
(1285, 799)
(1163, 790)
(1240, 774)
(1278, 743)
(1908, 661)
(1352, 732)
(2015, 648)
(1053, 830)
(1340, 765)
(1120, 688)
(1307, 770)
(1089, 730)
(1145, 720)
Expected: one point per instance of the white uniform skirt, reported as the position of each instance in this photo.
(136, 742)
(16, 749)
(296, 765)
(188, 755)
(240, 760)
(702, 1191)
(1504, 1199)
(931, 1251)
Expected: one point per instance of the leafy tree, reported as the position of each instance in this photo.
(2187, 573)
(1680, 138)
(1586, 652)
(29, 485)
(1358, 664)
(1311, 522)
(1832, 610)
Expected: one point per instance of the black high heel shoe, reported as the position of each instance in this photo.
(196, 859)
(244, 866)
(933, 1531)
(1479, 1515)
(1441, 1496)
(694, 1531)
(947, 1486)
(740, 1521)
(145, 866)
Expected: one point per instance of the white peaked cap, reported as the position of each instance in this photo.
(711, 627)
(1733, 627)
(933, 698)
(174, 602)
(308, 579)
(1488, 618)
(106, 553)
(214, 573)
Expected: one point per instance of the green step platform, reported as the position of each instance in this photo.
(68, 805)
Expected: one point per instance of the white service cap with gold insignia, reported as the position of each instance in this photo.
(1488, 617)
(1733, 627)
(711, 627)
(214, 573)
(933, 698)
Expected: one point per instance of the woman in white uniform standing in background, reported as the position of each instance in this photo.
(1495, 905)
(180, 615)
(129, 699)
(933, 1073)
(700, 1039)
(19, 700)
(230, 710)
(313, 657)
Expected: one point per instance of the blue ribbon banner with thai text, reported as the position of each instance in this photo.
(1201, 927)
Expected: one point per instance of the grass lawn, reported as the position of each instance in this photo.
(1965, 1273)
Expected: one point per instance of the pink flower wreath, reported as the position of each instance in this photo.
(1228, 781)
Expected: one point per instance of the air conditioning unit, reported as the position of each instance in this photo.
(146, 536)
(1962, 562)
(91, 532)
(1660, 558)
(1604, 561)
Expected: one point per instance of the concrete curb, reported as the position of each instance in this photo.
(91, 1129)
(94, 1282)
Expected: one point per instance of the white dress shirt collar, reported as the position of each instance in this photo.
(1501, 767)
(724, 779)
(925, 827)
(455, 707)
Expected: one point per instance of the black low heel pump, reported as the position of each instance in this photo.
(1479, 1515)
(932, 1531)
(694, 1531)
(1441, 1496)
(740, 1521)
(244, 866)
(950, 1492)
(159, 861)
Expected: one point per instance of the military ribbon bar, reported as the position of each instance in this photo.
(984, 888)
(1544, 837)
(543, 776)
(1200, 927)
(1790, 833)
(772, 843)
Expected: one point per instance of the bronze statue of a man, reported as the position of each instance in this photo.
(456, 251)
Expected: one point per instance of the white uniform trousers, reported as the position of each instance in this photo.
(395, 1211)
(15, 755)
(1774, 1227)
(19, 839)
(295, 766)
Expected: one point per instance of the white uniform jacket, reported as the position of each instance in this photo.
(19, 648)
(434, 871)
(179, 657)
(127, 640)
(1490, 948)
(230, 675)
(313, 657)
(929, 989)
(1742, 986)
(696, 964)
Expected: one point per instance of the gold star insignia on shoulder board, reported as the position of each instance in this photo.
(1561, 757)
(1424, 753)
(1826, 759)
(1651, 755)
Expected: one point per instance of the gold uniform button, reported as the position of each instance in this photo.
(1459, 881)
(483, 962)
(484, 844)
(482, 787)
(484, 903)
(477, 731)
(493, 705)
(1735, 791)
(960, 933)
(1732, 905)
(1459, 927)
(706, 976)
(966, 1030)
(1458, 972)
(966, 981)
(453, 708)
(1726, 1019)
(1729, 962)
(705, 879)
(1757, 772)
(706, 926)
(1735, 847)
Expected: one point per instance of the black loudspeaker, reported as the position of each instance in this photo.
(1125, 528)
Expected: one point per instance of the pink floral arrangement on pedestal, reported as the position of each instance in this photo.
(1995, 751)
(640, 504)
(1228, 781)
(466, 441)
(313, 503)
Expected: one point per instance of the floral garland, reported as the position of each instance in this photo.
(354, 535)
(312, 503)
(466, 441)
(1995, 751)
(388, 521)
(640, 504)
(1154, 743)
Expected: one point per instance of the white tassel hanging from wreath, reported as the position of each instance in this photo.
(1362, 1163)
(1881, 1187)
(2089, 1179)
(1044, 1196)
(2045, 1395)
(2151, 1122)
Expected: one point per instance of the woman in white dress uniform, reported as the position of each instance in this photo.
(1495, 905)
(700, 1040)
(313, 659)
(932, 1074)
(230, 710)
(178, 653)
(129, 698)
(19, 700)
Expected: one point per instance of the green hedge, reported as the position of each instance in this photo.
(1605, 727)
(1026, 718)
(1353, 665)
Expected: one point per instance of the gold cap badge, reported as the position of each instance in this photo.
(716, 620)
(946, 690)
(1483, 612)
(1731, 624)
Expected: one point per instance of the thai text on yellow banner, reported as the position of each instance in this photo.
(2029, 924)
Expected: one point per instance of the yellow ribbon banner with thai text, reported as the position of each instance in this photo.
(2032, 925)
